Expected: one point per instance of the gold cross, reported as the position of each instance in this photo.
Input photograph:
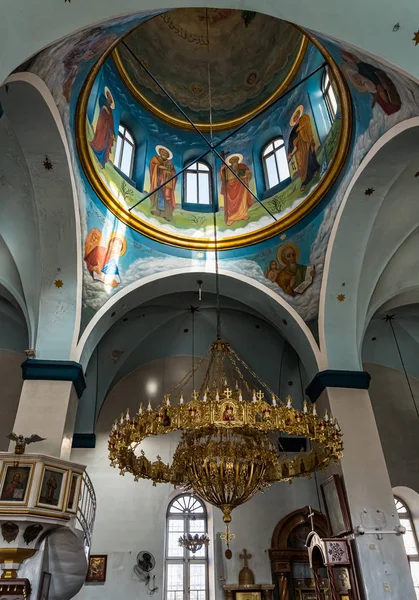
(195, 395)
(245, 557)
(227, 393)
(260, 395)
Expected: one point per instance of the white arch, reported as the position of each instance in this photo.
(239, 287)
(345, 218)
(28, 108)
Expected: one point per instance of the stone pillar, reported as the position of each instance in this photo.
(48, 405)
(382, 564)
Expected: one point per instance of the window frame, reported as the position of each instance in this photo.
(274, 152)
(197, 206)
(129, 140)
(407, 515)
(187, 558)
(326, 90)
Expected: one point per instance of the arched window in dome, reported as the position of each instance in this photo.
(410, 541)
(197, 185)
(275, 163)
(124, 154)
(186, 573)
(329, 96)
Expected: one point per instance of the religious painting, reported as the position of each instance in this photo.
(291, 276)
(335, 504)
(45, 585)
(96, 572)
(15, 483)
(104, 136)
(162, 202)
(228, 413)
(302, 147)
(367, 78)
(237, 198)
(102, 259)
(74, 492)
(53, 487)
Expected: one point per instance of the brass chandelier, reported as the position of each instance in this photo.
(229, 447)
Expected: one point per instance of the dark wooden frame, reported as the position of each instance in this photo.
(93, 580)
(335, 480)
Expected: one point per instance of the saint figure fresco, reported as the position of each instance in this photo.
(367, 78)
(237, 199)
(104, 137)
(102, 261)
(302, 145)
(293, 278)
(163, 201)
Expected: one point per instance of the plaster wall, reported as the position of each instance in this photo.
(397, 422)
(11, 386)
(131, 516)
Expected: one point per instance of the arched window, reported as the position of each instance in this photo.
(124, 154)
(329, 96)
(197, 182)
(275, 163)
(186, 573)
(410, 541)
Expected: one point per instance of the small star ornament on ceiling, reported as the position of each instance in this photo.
(48, 166)
(58, 283)
(369, 191)
(341, 297)
(416, 38)
(283, 236)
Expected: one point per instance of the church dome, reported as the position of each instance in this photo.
(249, 58)
(198, 115)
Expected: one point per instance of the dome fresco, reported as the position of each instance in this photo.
(119, 253)
(249, 58)
(256, 192)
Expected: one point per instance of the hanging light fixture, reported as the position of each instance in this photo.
(228, 449)
(194, 543)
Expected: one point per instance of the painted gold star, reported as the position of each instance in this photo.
(48, 164)
(369, 191)
(283, 236)
(200, 255)
(58, 283)
(416, 38)
(341, 297)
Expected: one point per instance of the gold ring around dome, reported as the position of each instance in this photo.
(240, 241)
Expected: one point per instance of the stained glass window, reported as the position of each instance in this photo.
(410, 541)
(329, 96)
(124, 154)
(275, 163)
(186, 573)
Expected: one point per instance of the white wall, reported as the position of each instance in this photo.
(131, 516)
(397, 421)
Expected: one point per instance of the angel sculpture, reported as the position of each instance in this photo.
(21, 441)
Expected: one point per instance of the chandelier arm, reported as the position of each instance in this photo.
(258, 379)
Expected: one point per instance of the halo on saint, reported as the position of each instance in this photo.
(121, 238)
(108, 91)
(284, 247)
(239, 156)
(299, 110)
(158, 148)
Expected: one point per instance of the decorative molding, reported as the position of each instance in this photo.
(359, 380)
(84, 440)
(55, 370)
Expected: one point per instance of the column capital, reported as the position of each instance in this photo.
(55, 370)
(334, 378)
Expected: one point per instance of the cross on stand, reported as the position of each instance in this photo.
(245, 557)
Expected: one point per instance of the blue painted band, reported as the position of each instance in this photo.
(55, 370)
(84, 440)
(359, 380)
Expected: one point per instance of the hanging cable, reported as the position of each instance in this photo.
(389, 319)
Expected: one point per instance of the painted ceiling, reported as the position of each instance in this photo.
(248, 58)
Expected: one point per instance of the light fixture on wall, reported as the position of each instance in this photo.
(225, 454)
